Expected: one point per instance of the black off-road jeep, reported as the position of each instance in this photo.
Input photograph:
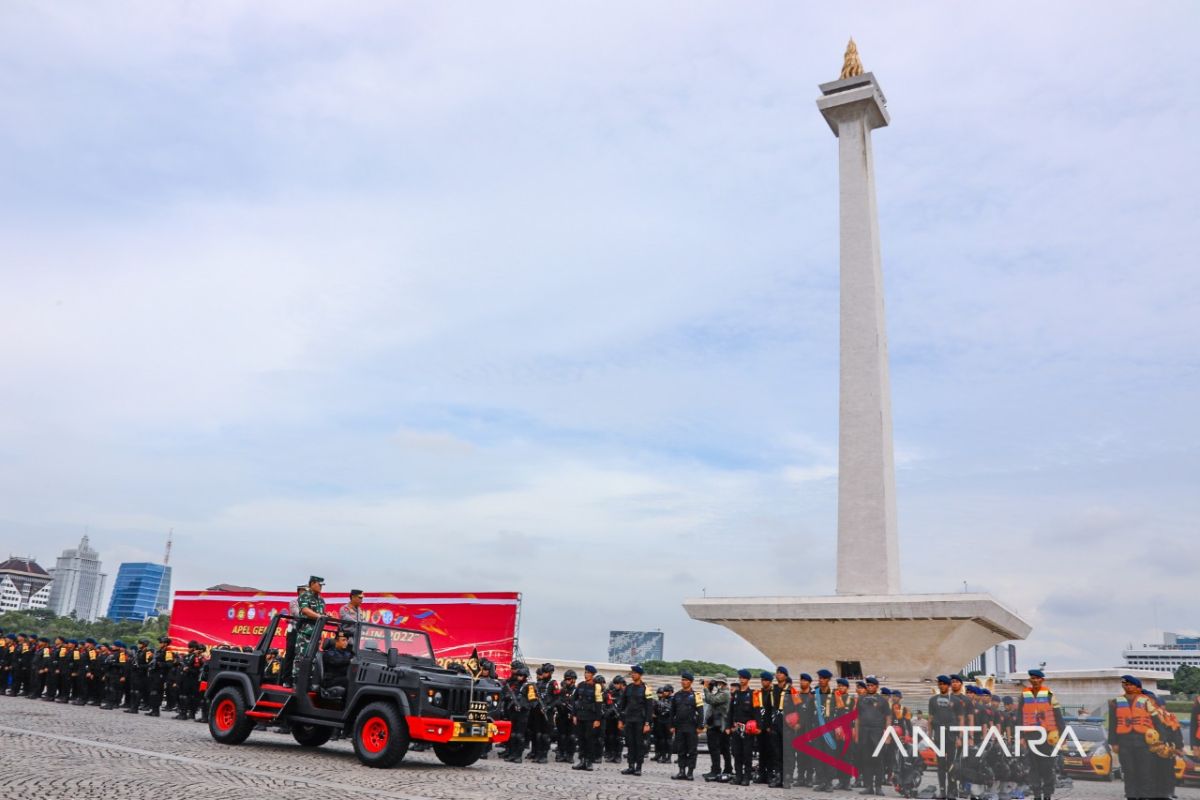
(395, 694)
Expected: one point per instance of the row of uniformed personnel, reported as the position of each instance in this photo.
(109, 675)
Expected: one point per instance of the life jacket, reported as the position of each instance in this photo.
(1037, 710)
(756, 698)
(1133, 717)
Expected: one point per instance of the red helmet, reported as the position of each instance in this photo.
(792, 719)
(752, 727)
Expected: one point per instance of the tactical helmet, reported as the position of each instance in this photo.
(521, 672)
(618, 679)
(547, 667)
(569, 674)
(668, 688)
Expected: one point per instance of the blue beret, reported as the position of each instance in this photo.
(958, 676)
(873, 681)
(10, 636)
(118, 643)
(1131, 679)
(824, 673)
(1036, 673)
(897, 693)
(782, 670)
(743, 673)
(1008, 701)
(804, 676)
(885, 690)
(862, 684)
(637, 668)
(943, 679)
(843, 682)
(89, 640)
(986, 692)
(766, 676)
(687, 676)
(590, 668)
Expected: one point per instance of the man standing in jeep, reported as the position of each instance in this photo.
(311, 606)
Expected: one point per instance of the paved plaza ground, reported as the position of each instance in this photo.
(52, 751)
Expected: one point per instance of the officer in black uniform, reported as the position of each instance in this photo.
(522, 699)
(686, 714)
(744, 705)
(588, 703)
(662, 724)
(190, 666)
(139, 668)
(874, 716)
(637, 710)
(613, 741)
(942, 716)
(541, 716)
(564, 718)
(156, 675)
(7, 643)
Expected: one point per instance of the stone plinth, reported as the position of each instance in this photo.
(905, 637)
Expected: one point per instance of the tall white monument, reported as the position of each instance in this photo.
(869, 627)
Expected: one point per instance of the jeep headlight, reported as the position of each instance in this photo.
(436, 698)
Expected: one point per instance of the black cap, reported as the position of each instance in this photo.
(316, 579)
(164, 640)
(356, 592)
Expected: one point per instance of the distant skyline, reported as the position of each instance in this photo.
(543, 298)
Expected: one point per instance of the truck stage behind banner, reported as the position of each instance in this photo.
(457, 622)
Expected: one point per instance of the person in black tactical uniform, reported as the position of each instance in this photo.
(613, 742)
(39, 669)
(156, 675)
(744, 705)
(588, 703)
(564, 718)
(139, 666)
(79, 672)
(522, 697)
(190, 665)
(942, 716)
(26, 646)
(58, 655)
(662, 725)
(637, 710)
(7, 645)
(768, 734)
(541, 715)
(874, 716)
(686, 715)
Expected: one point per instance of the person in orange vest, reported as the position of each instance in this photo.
(780, 703)
(1038, 708)
(1130, 718)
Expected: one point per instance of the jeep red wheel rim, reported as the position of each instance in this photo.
(374, 735)
(224, 715)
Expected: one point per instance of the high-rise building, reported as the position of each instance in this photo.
(23, 585)
(142, 589)
(78, 583)
(1174, 652)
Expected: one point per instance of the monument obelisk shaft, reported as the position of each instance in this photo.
(868, 554)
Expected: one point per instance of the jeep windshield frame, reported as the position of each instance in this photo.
(371, 638)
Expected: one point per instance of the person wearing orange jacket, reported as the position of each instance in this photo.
(1130, 718)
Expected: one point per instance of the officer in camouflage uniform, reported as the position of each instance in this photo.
(311, 606)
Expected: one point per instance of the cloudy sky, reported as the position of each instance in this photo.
(543, 297)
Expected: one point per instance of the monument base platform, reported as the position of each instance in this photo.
(909, 637)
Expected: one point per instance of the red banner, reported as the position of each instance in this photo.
(456, 622)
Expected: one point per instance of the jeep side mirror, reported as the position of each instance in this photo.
(393, 656)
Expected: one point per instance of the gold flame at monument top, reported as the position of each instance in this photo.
(851, 66)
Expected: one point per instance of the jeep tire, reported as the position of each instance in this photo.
(311, 735)
(459, 754)
(380, 735)
(227, 720)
